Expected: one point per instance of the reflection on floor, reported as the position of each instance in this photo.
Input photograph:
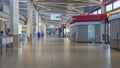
(60, 53)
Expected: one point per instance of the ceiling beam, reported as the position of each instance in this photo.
(62, 12)
(106, 2)
(44, 7)
(94, 1)
(77, 10)
(67, 2)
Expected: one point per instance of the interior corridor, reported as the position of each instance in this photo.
(60, 53)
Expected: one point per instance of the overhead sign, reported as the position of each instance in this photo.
(113, 12)
(56, 16)
(114, 16)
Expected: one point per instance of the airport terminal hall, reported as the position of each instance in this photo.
(59, 33)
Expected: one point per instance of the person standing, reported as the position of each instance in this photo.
(38, 35)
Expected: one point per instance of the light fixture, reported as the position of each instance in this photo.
(101, 0)
(39, 24)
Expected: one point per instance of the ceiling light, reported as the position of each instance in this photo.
(40, 24)
(101, 0)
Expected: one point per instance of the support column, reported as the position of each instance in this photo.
(37, 22)
(63, 32)
(30, 21)
(103, 8)
(39, 25)
(44, 31)
(14, 20)
(106, 25)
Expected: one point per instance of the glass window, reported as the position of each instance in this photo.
(0, 0)
(99, 11)
(116, 4)
(109, 7)
(95, 12)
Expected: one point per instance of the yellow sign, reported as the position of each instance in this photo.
(67, 26)
(113, 12)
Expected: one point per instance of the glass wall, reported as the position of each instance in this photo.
(95, 12)
(116, 4)
(99, 11)
(109, 7)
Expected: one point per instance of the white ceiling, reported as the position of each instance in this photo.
(65, 7)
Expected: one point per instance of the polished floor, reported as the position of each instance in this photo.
(60, 53)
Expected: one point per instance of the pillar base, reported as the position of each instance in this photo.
(15, 41)
(30, 37)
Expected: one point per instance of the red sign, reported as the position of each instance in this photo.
(85, 18)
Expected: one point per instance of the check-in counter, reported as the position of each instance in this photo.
(4, 41)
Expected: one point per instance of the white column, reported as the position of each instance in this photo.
(37, 21)
(103, 8)
(45, 34)
(102, 31)
(14, 19)
(40, 27)
(0, 25)
(30, 21)
(3, 26)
